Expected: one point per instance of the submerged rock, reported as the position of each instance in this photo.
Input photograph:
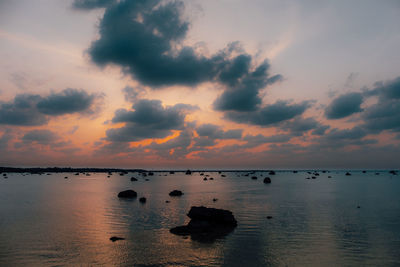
(348, 174)
(127, 194)
(142, 200)
(116, 238)
(267, 180)
(254, 177)
(133, 179)
(176, 193)
(269, 217)
(207, 224)
(271, 173)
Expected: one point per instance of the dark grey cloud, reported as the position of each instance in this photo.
(145, 39)
(257, 140)
(67, 101)
(43, 137)
(149, 119)
(353, 133)
(22, 111)
(269, 115)
(213, 131)
(243, 85)
(91, 4)
(344, 106)
(385, 114)
(298, 126)
(34, 110)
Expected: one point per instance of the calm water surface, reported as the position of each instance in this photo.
(47, 220)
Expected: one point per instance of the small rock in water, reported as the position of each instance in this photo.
(313, 177)
(223, 175)
(358, 207)
(269, 217)
(348, 174)
(133, 179)
(205, 178)
(176, 193)
(167, 201)
(329, 176)
(116, 238)
(271, 173)
(66, 177)
(142, 200)
(267, 180)
(254, 177)
(188, 172)
(127, 194)
(211, 178)
(215, 199)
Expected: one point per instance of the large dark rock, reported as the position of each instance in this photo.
(127, 194)
(207, 224)
(116, 238)
(267, 180)
(176, 193)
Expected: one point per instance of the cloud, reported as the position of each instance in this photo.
(269, 115)
(43, 137)
(67, 101)
(22, 111)
(299, 126)
(145, 39)
(148, 120)
(385, 114)
(132, 94)
(344, 106)
(243, 85)
(213, 131)
(34, 110)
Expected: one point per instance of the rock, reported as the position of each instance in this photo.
(116, 238)
(267, 180)
(167, 201)
(313, 177)
(207, 224)
(254, 177)
(188, 172)
(146, 180)
(348, 174)
(271, 173)
(223, 175)
(127, 194)
(171, 172)
(215, 199)
(133, 179)
(176, 193)
(142, 200)
(66, 177)
(294, 171)
(269, 217)
(151, 173)
(201, 174)
(211, 178)
(205, 179)
(329, 176)
(393, 172)
(308, 178)
(358, 207)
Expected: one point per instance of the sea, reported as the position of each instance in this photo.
(332, 220)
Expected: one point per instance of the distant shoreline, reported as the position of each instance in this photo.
(121, 170)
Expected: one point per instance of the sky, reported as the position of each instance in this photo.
(228, 84)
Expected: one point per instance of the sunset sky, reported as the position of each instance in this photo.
(230, 84)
